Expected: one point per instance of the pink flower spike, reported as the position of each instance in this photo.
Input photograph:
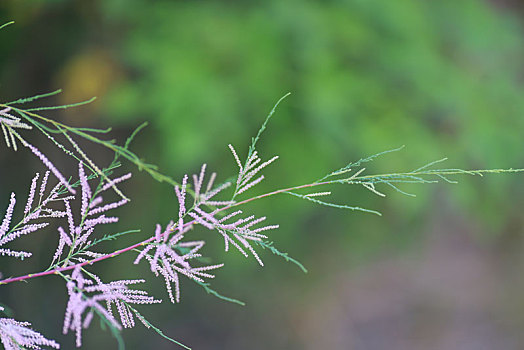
(158, 232)
(15, 254)
(31, 195)
(229, 216)
(108, 207)
(16, 335)
(8, 215)
(95, 202)
(251, 184)
(181, 196)
(50, 166)
(217, 190)
(86, 190)
(113, 182)
(201, 221)
(64, 236)
(208, 216)
(236, 157)
(43, 184)
(199, 181)
(22, 231)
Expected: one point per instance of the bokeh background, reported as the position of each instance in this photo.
(444, 78)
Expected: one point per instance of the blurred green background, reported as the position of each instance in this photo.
(445, 78)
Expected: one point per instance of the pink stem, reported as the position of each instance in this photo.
(120, 251)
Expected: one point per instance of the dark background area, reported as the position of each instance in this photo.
(445, 78)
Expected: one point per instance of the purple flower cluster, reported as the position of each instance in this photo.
(249, 170)
(16, 335)
(230, 226)
(76, 237)
(171, 255)
(31, 213)
(86, 294)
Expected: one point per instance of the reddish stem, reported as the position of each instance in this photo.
(120, 251)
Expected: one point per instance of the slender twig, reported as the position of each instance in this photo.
(350, 180)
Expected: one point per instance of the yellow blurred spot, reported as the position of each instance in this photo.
(87, 75)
